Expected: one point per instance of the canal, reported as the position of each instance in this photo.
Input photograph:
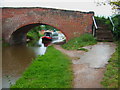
(15, 59)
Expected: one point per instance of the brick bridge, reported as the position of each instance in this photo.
(16, 22)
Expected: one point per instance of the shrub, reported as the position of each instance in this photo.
(83, 40)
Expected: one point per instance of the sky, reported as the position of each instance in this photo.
(77, 5)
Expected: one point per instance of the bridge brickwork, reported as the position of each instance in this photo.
(16, 22)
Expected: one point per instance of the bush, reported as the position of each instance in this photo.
(83, 40)
(116, 21)
(104, 21)
(34, 34)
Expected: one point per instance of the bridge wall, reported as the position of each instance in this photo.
(71, 23)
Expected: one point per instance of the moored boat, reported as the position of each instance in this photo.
(47, 36)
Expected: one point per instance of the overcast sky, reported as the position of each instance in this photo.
(79, 5)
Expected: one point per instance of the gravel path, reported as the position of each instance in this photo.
(89, 67)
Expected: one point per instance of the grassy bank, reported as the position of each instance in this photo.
(76, 43)
(53, 70)
(111, 79)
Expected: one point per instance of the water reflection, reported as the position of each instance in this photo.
(16, 59)
(14, 62)
(39, 50)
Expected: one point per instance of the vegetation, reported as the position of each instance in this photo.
(101, 20)
(34, 36)
(110, 79)
(83, 40)
(34, 33)
(53, 70)
(114, 3)
(111, 75)
(106, 21)
(48, 27)
(116, 21)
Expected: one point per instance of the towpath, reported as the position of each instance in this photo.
(89, 67)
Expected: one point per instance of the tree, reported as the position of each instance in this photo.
(114, 3)
(116, 20)
(116, 6)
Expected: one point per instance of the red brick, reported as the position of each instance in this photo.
(71, 23)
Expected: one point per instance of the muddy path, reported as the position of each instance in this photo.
(89, 67)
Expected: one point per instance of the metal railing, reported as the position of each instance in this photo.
(112, 23)
(95, 24)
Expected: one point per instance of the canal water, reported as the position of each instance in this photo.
(15, 59)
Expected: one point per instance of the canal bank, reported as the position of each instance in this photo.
(15, 59)
(18, 58)
(52, 70)
(87, 66)
(85, 71)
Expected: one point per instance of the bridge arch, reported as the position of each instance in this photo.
(20, 35)
(71, 23)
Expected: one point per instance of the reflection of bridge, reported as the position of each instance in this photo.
(16, 22)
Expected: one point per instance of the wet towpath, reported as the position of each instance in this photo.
(89, 67)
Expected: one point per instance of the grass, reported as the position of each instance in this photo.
(110, 79)
(53, 70)
(76, 43)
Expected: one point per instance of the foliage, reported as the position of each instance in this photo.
(114, 3)
(48, 27)
(103, 21)
(83, 40)
(53, 70)
(100, 20)
(106, 21)
(34, 34)
(116, 21)
(110, 79)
